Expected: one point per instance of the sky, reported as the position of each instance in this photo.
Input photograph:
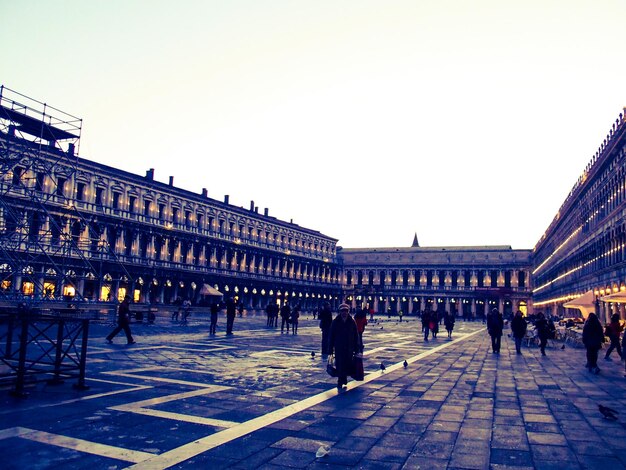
(466, 123)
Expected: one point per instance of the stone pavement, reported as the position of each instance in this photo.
(258, 399)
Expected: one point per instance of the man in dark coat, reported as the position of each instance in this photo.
(495, 325)
(344, 343)
(326, 319)
(123, 322)
(215, 308)
(593, 337)
(426, 324)
(518, 327)
(285, 314)
(231, 312)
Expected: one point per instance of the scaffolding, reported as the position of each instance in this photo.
(40, 223)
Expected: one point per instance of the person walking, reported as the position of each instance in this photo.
(495, 325)
(518, 328)
(543, 332)
(295, 315)
(123, 322)
(231, 312)
(593, 337)
(448, 321)
(215, 309)
(426, 324)
(178, 306)
(344, 343)
(326, 319)
(613, 331)
(269, 310)
(434, 323)
(360, 319)
(186, 311)
(285, 313)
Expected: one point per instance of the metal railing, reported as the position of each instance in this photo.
(42, 348)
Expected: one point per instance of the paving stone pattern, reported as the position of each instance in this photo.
(258, 399)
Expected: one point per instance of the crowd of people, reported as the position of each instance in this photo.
(342, 336)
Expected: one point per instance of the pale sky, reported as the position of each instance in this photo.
(466, 122)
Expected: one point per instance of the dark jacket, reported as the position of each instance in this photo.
(344, 343)
(123, 312)
(326, 317)
(449, 320)
(519, 326)
(593, 336)
(495, 323)
(285, 311)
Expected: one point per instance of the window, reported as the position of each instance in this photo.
(18, 173)
(116, 200)
(60, 187)
(40, 181)
(100, 196)
(80, 191)
(187, 219)
(146, 207)
(200, 219)
(132, 202)
(175, 215)
(161, 211)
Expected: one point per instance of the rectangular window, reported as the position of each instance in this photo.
(132, 202)
(18, 172)
(146, 207)
(80, 191)
(100, 196)
(116, 200)
(60, 187)
(200, 220)
(40, 181)
(187, 219)
(175, 215)
(161, 211)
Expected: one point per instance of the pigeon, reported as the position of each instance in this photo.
(405, 364)
(312, 354)
(382, 366)
(608, 413)
(563, 347)
(381, 327)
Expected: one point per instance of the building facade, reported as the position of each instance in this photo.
(584, 248)
(70, 227)
(74, 228)
(468, 281)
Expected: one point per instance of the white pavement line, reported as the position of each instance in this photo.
(175, 396)
(140, 407)
(206, 344)
(185, 452)
(134, 388)
(79, 445)
(125, 350)
(160, 379)
(159, 369)
(219, 423)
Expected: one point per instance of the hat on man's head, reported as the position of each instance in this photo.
(345, 307)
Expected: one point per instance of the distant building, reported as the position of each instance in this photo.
(583, 250)
(71, 228)
(468, 281)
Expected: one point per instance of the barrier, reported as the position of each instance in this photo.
(42, 348)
